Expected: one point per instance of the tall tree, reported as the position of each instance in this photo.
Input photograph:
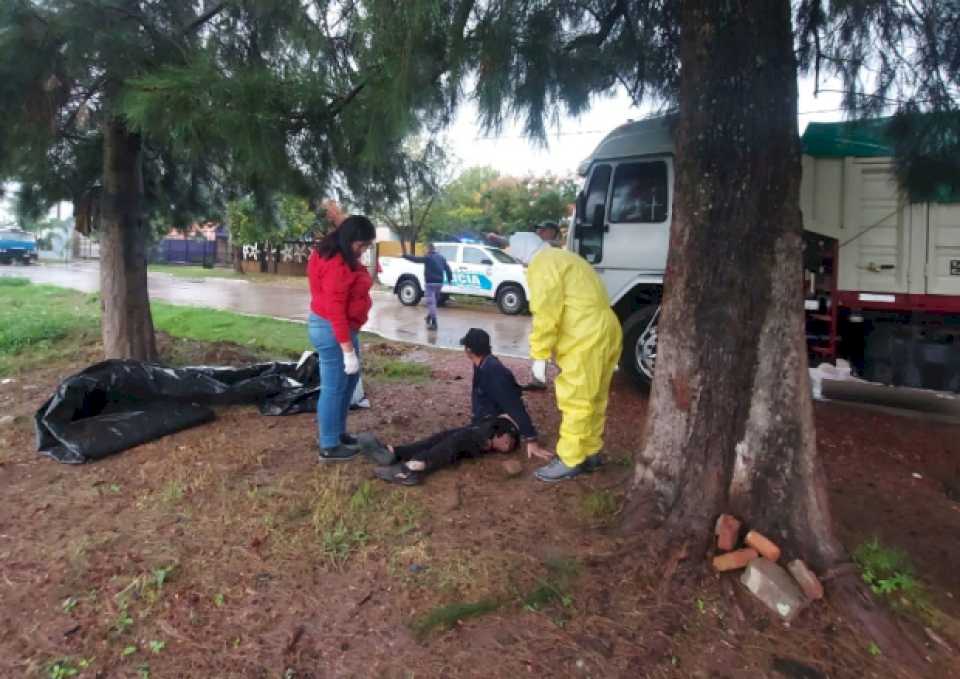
(153, 118)
(730, 425)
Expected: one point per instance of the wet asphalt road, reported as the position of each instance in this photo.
(388, 318)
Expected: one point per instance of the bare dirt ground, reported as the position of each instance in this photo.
(227, 551)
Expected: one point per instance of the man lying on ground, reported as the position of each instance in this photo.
(495, 393)
(408, 464)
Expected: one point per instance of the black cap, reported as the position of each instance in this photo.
(477, 341)
(549, 225)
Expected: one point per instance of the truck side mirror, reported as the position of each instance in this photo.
(581, 208)
(598, 217)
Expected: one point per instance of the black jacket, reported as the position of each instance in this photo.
(496, 392)
(434, 266)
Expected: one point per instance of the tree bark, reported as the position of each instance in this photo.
(730, 425)
(126, 324)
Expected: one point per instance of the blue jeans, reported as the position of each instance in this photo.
(336, 387)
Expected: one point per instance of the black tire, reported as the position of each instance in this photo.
(409, 292)
(442, 299)
(511, 300)
(640, 345)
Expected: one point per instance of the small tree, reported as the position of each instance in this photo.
(422, 171)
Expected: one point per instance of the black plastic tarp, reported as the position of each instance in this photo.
(118, 404)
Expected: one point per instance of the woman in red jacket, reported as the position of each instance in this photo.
(339, 304)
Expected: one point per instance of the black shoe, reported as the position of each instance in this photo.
(593, 463)
(341, 453)
(375, 451)
(398, 473)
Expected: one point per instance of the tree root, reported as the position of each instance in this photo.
(852, 597)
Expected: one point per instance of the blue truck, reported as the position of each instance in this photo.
(17, 246)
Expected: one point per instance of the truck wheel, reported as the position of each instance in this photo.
(409, 292)
(640, 345)
(511, 300)
(442, 299)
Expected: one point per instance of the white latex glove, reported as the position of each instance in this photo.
(351, 364)
(539, 370)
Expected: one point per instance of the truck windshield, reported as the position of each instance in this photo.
(639, 193)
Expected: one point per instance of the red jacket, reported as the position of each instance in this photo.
(339, 294)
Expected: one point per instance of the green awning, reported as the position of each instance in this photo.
(860, 139)
(864, 139)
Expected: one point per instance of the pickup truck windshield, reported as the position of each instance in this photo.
(502, 256)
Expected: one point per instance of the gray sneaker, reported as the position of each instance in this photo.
(374, 450)
(341, 453)
(351, 442)
(557, 471)
(592, 463)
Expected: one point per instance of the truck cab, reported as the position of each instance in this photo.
(17, 245)
(881, 273)
(622, 227)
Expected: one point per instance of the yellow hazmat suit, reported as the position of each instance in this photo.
(573, 321)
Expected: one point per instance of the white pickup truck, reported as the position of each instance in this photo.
(478, 270)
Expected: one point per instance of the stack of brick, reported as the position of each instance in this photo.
(762, 576)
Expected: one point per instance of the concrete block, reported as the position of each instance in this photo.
(727, 532)
(806, 578)
(774, 587)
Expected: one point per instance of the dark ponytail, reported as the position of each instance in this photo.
(351, 230)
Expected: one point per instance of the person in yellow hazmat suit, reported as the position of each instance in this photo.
(572, 322)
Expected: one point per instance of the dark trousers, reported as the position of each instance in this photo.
(443, 449)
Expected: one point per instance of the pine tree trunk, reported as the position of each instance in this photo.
(730, 425)
(126, 323)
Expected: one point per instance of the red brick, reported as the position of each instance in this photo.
(762, 544)
(806, 578)
(732, 561)
(727, 532)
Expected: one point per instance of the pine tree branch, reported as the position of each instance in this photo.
(204, 18)
(98, 83)
(607, 23)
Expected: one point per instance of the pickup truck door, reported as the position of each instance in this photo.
(474, 273)
(451, 253)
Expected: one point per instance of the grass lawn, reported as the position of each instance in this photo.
(38, 322)
(193, 271)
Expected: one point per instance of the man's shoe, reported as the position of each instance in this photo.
(341, 453)
(592, 463)
(375, 451)
(557, 471)
(398, 473)
(349, 441)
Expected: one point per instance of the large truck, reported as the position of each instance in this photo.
(881, 273)
(17, 245)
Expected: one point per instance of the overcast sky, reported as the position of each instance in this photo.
(510, 153)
